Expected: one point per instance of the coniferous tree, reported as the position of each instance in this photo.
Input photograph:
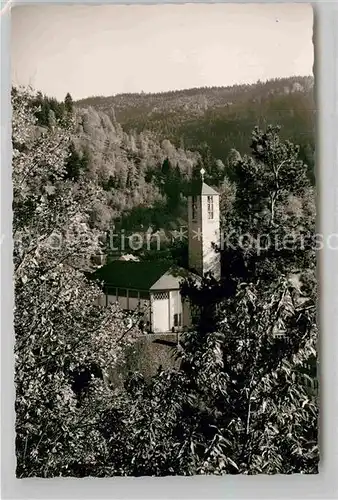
(272, 222)
(68, 103)
(73, 164)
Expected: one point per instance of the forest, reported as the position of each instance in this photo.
(123, 143)
(215, 120)
(243, 398)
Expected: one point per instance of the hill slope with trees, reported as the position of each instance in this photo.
(213, 120)
(142, 149)
(139, 177)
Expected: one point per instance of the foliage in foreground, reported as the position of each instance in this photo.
(239, 404)
(62, 335)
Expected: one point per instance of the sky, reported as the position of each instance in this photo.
(111, 49)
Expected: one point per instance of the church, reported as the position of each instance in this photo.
(153, 288)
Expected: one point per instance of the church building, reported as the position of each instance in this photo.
(153, 287)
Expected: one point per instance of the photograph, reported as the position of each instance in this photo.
(164, 240)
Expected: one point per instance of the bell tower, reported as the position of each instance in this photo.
(204, 228)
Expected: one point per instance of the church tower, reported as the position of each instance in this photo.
(204, 229)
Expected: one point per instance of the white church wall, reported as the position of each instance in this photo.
(130, 303)
(123, 301)
(133, 303)
(161, 315)
(194, 245)
(203, 232)
(111, 299)
(160, 312)
(175, 309)
(101, 300)
(210, 235)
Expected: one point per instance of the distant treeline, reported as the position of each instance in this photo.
(214, 120)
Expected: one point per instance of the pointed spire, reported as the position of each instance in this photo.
(202, 172)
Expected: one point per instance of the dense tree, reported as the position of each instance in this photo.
(43, 106)
(68, 103)
(261, 402)
(270, 228)
(59, 328)
(239, 402)
(73, 164)
(166, 168)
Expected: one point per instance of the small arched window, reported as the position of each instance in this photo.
(210, 207)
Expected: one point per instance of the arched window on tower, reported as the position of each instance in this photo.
(210, 207)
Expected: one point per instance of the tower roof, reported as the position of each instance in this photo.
(201, 188)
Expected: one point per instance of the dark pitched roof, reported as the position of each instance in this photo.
(131, 274)
(201, 188)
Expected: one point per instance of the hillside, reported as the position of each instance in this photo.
(141, 149)
(215, 120)
(139, 180)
